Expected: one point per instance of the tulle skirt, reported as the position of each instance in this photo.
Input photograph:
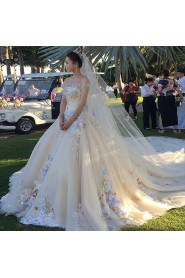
(87, 179)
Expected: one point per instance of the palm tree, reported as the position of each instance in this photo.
(124, 58)
(1, 73)
(6, 52)
(20, 57)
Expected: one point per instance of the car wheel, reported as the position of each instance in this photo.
(24, 126)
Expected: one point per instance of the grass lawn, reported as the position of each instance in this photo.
(14, 153)
(113, 100)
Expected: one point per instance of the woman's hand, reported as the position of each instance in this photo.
(66, 125)
(61, 122)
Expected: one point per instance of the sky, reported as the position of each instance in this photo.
(26, 70)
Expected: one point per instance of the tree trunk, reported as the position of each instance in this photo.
(1, 74)
(8, 66)
(4, 53)
(33, 70)
(21, 63)
(14, 75)
(118, 78)
(63, 68)
(5, 58)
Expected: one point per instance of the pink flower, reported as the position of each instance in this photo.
(160, 91)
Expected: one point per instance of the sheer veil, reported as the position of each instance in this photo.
(113, 118)
(162, 175)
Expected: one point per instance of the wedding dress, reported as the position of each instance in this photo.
(100, 174)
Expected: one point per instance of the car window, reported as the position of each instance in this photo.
(7, 87)
(33, 89)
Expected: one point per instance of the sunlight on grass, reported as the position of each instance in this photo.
(119, 101)
(32, 139)
(10, 162)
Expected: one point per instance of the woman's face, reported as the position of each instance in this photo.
(70, 65)
(150, 83)
(180, 74)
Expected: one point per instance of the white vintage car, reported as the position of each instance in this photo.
(30, 102)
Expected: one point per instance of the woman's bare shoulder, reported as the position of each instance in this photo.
(67, 80)
(85, 80)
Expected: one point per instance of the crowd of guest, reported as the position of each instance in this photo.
(161, 97)
(168, 89)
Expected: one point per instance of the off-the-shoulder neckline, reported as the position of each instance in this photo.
(76, 85)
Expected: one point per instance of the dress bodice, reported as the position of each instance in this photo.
(72, 94)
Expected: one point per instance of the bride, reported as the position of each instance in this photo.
(93, 169)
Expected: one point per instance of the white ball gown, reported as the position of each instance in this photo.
(91, 178)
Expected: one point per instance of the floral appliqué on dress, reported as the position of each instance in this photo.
(72, 94)
(108, 198)
(44, 214)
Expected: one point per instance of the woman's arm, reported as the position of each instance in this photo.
(179, 92)
(177, 89)
(82, 102)
(62, 109)
(138, 91)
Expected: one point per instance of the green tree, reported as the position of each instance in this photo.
(128, 60)
(29, 56)
(6, 56)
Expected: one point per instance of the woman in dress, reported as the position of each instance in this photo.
(116, 89)
(130, 97)
(75, 179)
(167, 91)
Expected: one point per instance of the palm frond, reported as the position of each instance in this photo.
(125, 58)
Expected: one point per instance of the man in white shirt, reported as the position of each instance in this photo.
(33, 92)
(149, 105)
(181, 80)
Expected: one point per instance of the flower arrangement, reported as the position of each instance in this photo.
(55, 91)
(161, 91)
(4, 101)
(18, 101)
(155, 86)
(20, 97)
(7, 98)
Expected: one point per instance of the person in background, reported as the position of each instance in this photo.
(32, 91)
(149, 105)
(17, 91)
(167, 90)
(130, 97)
(59, 82)
(116, 89)
(181, 80)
